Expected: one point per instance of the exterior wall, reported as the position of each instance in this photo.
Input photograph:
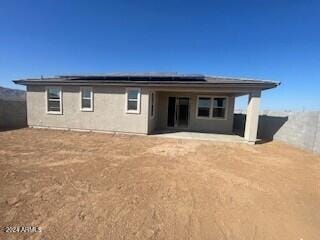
(152, 121)
(301, 129)
(108, 115)
(195, 124)
(109, 111)
(13, 114)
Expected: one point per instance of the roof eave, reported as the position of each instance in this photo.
(262, 85)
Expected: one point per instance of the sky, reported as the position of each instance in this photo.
(264, 39)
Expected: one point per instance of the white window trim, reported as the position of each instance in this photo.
(211, 107)
(47, 100)
(91, 100)
(154, 104)
(138, 101)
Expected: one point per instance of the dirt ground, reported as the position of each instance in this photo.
(102, 186)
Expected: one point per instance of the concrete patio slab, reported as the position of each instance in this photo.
(201, 136)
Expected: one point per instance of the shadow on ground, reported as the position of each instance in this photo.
(267, 128)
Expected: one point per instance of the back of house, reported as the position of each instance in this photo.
(142, 103)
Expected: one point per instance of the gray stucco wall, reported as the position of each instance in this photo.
(109, 110)
(13, 114)
(152, 120)
(316, 145)
(201, 125)
(301, 129)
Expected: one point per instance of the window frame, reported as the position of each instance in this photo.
(225, 108)
(60, 100)
(152, 104)
(91, 100)
(211, 107)
(137, 111)
(197, 109)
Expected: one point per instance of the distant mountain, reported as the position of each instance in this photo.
(12, 94)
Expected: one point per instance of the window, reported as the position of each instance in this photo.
(211, 107)
(54, 101)
(204, 105)
(152, 104)
(86, 99)
(133, 100)
(219, 107)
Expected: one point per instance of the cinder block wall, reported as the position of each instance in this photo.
(301, 129)
(13, 114)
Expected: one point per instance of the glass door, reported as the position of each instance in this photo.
(182, 113)
(178, 112)
(171, 112)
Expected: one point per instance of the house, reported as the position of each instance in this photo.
(142, 103)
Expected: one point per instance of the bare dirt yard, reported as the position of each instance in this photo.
(102, 186)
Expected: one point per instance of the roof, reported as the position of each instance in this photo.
(150, 79)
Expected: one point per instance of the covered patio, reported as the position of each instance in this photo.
(203, 114)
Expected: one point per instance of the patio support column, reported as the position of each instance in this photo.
(252, 119)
